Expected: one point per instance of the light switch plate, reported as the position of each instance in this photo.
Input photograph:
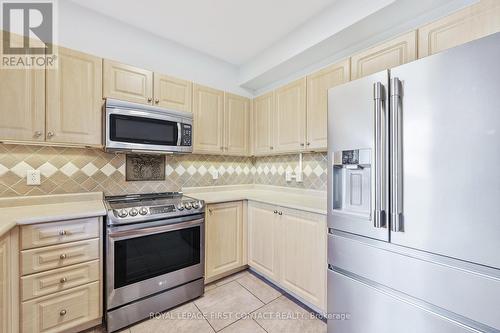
(33, 177)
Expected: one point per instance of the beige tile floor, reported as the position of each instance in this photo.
(241, 303)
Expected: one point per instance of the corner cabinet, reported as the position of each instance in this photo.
(224, 234)
(290, 117)
(289, 247)
(317, 102)
(208, 109)
(395, 52)
(74, 99)
(236, 124)
(473, 22)
(263, 112)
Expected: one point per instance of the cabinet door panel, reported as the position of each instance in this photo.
(461, 27)
(317, 102)
(263, 111)
(236, 124)
(224, 238)
(263, 248)
(303, 259)
(208, 107)
(395, 52)
(22, 103)
(172, 93)
(5, 273)
(127, 83)
(74, 99)
(289, 125)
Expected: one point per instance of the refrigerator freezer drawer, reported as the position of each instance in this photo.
(372, 310)
(467, 290)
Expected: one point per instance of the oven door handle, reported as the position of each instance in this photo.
(154, 230)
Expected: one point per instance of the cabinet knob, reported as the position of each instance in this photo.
(62, 232)
(50, 134)
(210, 211)
(63, 312)
(302, 144)
(38, 134)
(271, 147)
(308, 143)
(63, 280)
(149, 99)
(280, 213)
(157, 101)
(275, 212)
(63, 256)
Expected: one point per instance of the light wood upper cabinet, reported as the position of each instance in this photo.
(317, 102)
(22, 104)
(74, 99)
(289, 124)
(471, 23)
(263, 112)
(263, 240)
(208, 108)
(172, 93)
(224, 238)
(389, 54)
(303, 255)
(236, 124)
(127, 82)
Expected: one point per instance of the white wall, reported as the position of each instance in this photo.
(88, 31)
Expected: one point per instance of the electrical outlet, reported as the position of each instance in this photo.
(215, 174)
(288, 176)
(33, 177)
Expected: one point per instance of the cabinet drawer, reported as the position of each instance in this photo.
(56, 256)
(61, 311)
(50, 282)
(45, 234)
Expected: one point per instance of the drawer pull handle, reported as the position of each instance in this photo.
(63, 280)
(63, 312)
(63, 256)
(62, 232)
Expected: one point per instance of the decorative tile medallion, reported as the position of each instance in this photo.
(145, 167)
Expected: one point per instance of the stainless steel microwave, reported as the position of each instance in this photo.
(136, 128)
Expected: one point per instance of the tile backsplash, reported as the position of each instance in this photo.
(69, 170)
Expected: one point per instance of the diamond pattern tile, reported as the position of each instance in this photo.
(68, 170)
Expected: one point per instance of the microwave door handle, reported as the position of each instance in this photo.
(179, 134)
(379, 219)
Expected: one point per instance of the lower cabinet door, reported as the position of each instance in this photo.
(62, 311)
(263, 240)
(303, 255)
(224, 238)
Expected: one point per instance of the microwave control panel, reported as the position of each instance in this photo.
(186, 135)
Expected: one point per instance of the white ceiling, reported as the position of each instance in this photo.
(232, 30)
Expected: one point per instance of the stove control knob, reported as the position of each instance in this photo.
(196, 204)
(180, 206)
(122, 213)
(188, 205)
(143, 211)
(133, 212)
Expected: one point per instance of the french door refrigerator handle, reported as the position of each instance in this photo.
(379, 152)
(396, 161)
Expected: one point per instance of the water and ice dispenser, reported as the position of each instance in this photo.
(352, 183)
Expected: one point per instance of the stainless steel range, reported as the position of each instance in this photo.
(154, 255)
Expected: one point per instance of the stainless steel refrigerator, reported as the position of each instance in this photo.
(414, 196)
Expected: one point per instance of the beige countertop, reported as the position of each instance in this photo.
(307, 200)
(49, 208)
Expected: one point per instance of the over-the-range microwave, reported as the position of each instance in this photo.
(136, 128)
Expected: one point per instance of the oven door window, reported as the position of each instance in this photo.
(145, 257)
(142, 130)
